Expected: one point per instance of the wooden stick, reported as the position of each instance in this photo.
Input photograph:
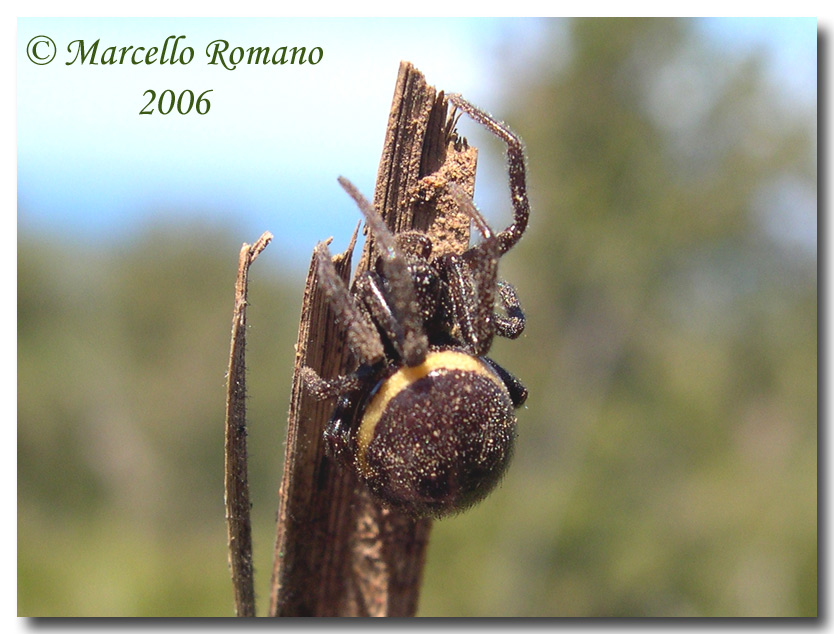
(238, 523)
(338, 552)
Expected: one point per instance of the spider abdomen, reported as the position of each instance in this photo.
(437, 437)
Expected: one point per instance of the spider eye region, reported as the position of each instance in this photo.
(436, 438)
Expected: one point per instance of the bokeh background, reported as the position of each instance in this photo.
(667, 457)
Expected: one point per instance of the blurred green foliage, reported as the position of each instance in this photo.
(121, 387)
(667, 457)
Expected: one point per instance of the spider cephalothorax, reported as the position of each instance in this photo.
(427, 420)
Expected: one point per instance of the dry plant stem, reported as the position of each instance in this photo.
(238, 524)
(338, 552)
(304, 567)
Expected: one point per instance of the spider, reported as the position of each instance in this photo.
(427, 420)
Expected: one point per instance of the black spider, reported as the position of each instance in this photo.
(427, 420)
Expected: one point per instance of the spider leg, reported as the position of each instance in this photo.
(338, 433)
(472, 282)
(483, 262)
(462, 307)
(368, 288)
(360, 333)
(402, 295)
(471, 279)
(513, 324)
(321, 389)
(515, 164)
(362, 338)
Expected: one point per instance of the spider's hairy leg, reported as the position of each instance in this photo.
(367, 289)
(515, 165)
(462, 323)
(321, 389)
(360, 333)
(471, 279)
(402, 296)
(362, 338)
(484, 266)
(513, 324)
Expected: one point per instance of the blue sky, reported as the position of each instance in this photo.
(268, 153)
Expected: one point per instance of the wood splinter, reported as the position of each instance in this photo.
(238, 522)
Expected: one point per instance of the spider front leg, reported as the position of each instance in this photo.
(402, 295)
(362, 337)
(515, 166)
(364, 342)
(361, 334)
(370, 292)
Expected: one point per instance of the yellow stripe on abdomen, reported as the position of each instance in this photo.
(444, 360)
